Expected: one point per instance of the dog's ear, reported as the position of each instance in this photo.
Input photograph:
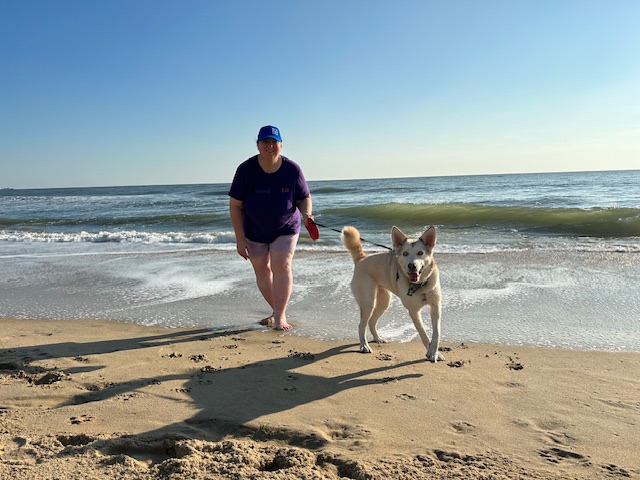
(429, 238)
(397, 237)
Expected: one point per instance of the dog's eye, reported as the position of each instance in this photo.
(404, 254)
(420, 253)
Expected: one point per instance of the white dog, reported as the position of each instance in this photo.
(409, 271)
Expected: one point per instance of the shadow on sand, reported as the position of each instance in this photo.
(227, 400)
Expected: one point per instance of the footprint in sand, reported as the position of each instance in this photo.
(515, 366)
(210, 369)
(51, 377)
(515, 385)
(454, 457)
(456, 364)
(182, 390)
(463, 427)
(301, 355)
(96, 387)
(556, 455)
(388, 379)
(615, 470)
(80, 419)
(347, 432)
(406, 396)
(561, 438)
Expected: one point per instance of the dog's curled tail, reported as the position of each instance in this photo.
(351, 239)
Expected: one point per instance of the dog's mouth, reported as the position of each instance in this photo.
(414, 276)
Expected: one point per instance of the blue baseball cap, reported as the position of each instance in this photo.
(269, 131)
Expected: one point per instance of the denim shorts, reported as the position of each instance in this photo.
(282, 244)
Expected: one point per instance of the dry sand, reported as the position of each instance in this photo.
(103, 400)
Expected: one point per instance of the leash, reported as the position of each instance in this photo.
(361, 239)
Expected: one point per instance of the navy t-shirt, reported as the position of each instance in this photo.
(269, 199)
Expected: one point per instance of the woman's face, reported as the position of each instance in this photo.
(270, 148)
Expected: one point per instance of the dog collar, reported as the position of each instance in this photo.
(414, 287)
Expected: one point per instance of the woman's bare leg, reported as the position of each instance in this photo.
(264, 277)
(282, 286)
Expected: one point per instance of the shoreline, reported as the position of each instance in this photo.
(537, 298)
(105, 398)
(255, 316)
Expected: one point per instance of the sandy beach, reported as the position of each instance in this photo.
(104, 400)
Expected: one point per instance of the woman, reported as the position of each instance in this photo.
(268, 196)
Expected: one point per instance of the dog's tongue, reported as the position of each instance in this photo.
(414, 277)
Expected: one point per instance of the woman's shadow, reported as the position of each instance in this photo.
(228, 400)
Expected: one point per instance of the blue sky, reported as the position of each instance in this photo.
(130, 92)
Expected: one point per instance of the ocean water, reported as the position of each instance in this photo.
(536, 259)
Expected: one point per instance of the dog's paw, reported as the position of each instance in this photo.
(365, 349)
(380, 340)
(438, 357)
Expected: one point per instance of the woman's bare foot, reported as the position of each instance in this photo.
(283, 325)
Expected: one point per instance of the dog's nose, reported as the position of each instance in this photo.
(412, 266)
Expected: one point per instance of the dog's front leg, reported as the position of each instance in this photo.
(432, 353)
(432, 346)
(417, 321)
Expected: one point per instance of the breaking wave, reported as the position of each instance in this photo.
(595, 222)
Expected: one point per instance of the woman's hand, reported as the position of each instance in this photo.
(243, 248)
(235, 210)
(306, 218)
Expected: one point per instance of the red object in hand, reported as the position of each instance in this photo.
(313, 230)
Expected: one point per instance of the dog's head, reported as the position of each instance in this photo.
(415, 257)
